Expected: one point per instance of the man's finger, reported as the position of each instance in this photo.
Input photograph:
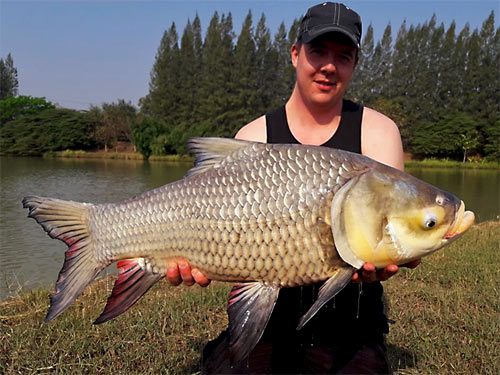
(173, 274)
(199, 277)
(387, 272)
(185, 271)
(368, 273)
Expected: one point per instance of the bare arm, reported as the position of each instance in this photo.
(254, 131)
(380, 139)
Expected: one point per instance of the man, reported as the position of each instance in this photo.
(346, 336)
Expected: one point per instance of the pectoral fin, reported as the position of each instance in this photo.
(327, 291)
(249, 309)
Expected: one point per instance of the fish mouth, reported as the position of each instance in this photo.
(463, 221)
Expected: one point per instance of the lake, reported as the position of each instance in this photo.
(30, 259)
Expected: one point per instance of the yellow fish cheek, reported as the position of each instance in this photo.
(411, 238)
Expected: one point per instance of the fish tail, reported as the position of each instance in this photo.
(67, 221)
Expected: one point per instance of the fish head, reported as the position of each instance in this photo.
(386, 216)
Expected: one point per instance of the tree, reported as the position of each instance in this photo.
(360, 87)
(266, 68)
(12, 108)
(54, 129)
(243, 74)
(164, 83)
(145, 131)
(454, 135)
(8, 78)
(468, 141)
(114, 122)
(492, 147)
(281, 49)
(218, 97)
(382, 64)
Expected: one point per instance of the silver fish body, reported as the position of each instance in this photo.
(263, 215)
(270, 216)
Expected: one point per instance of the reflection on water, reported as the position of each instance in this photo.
(29, 258)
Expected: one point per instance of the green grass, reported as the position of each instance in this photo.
(446, 163)
(447, 314)
(79, 154)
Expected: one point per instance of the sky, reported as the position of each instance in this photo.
(82, 53)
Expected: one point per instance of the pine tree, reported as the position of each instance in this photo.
(382, 64)
(281, 50)
(489, 82)
(449, 71)
(8, 78)
(244, 72)
(218, 95)
(431, 104)
(292, 38)
(360, 88)
(459, 61)
(161, 101)
(266, 60)
(400, 65)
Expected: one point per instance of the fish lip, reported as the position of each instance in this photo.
(462, 222)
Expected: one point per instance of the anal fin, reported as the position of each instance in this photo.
(249, 309)
(134, 280)
(328, 290)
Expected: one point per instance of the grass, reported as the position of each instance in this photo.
(447, 314)
(446, 163)
(79, 154)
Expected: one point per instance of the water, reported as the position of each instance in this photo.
(30, 259)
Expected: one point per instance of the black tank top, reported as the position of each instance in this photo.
(347, 137)
(356, 313)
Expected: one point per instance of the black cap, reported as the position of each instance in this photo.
(327, 18)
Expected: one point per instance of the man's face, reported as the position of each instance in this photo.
(324, 69)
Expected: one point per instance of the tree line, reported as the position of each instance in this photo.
(440, 85)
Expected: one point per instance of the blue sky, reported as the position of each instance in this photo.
(77, 53)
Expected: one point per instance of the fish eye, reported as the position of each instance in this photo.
(430, 221)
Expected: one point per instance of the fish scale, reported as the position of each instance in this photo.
(179, 215)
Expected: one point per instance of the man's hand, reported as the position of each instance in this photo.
(369, 273)
(179, 271)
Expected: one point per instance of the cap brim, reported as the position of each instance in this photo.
(310, 35)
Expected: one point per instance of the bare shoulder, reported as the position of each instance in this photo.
(380, 139)
(254, 131)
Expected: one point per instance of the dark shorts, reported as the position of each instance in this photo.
(267, 358)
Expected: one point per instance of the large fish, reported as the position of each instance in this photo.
(265, 215)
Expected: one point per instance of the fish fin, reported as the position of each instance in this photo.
(67, 221)
(134, 280)
(210, 151)
(327, 291)
(249, 309)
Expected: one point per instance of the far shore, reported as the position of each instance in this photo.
(116, 156)
(409, 163)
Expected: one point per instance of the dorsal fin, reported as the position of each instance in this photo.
(210, 151)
